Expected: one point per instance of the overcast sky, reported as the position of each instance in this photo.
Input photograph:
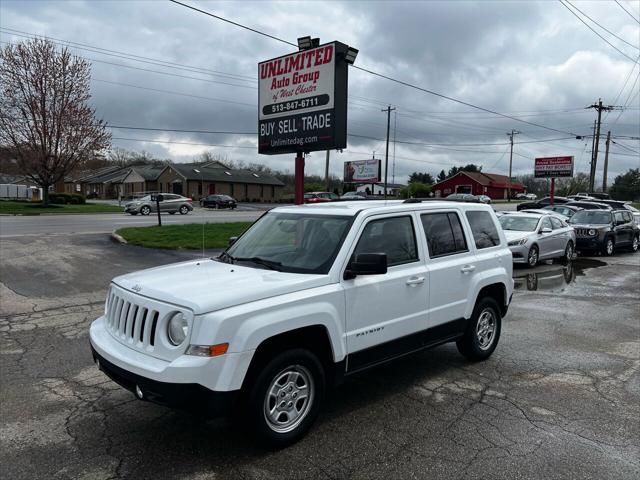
(533, 60)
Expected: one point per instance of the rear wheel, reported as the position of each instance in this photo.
(635, 244)
(533, 256)
(608, 247)
(286, 397)
(483, 331)
(183, 210)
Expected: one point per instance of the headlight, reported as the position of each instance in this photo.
(592, 232)
(177, 329)
(515, 243)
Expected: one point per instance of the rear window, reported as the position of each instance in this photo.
(444, 234)
(483, 228)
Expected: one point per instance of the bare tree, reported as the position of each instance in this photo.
(120, 156)
(45, 116)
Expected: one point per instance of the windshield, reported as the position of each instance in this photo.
(591, 216)
(291, 242)
(518, 224)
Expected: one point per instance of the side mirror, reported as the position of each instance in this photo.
(232, 240)
(546, 230)
(367, 264)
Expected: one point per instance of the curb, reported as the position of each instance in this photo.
(118, 238)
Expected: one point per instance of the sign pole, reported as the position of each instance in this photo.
(299, 180)
(553, 189)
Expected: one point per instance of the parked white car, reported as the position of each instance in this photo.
(538, 236)
(306, 296)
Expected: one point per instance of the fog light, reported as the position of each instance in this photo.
(139, 393)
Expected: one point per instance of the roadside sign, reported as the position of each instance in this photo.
(362, 171)
(302, 101)
(552, 167)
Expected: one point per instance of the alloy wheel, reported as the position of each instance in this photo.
(609, 246)
(289, 398)
(486, 328)
(533, 256)
(635, 244)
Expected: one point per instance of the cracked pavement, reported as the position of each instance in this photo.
(560, 397)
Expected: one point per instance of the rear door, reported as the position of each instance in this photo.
(450, 265)
(623, 228)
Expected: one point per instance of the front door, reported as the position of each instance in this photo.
(546, 241)
(382, 311)
(177, 188)
(212, 189)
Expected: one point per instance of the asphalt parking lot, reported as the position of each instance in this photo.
(560, 397)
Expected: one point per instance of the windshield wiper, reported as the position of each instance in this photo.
(271, 265)
(227, 255)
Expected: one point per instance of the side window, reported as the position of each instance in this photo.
(546, 223)
(556, 223)
(444, 233)
(619, 217)
(627, 216)
(393, 236)
(483, 228)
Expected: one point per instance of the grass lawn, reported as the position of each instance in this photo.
(216, 235)
(36, 208)
(636, 205)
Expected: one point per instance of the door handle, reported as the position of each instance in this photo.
(415, 281)
(467, 269)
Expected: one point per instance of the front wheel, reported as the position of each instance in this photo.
(608, 247)
(568, 252)
(483, 331)
(145, 210)
(533, 256)
(286, 397)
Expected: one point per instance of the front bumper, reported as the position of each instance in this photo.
(520, 253)
(589, 243)
(189, 396)
(187, 377)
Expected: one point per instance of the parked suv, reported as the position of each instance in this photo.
(605, 230)
(306, 296)
(543, 202)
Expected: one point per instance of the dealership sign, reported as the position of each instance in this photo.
(552, 167)
(362, 171)
(302, 101)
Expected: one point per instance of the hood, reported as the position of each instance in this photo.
(207, 285)
(512, 235)
(595, 226)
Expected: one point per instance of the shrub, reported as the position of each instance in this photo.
(65, 198)
(415, 190)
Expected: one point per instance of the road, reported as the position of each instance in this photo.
(559, 398)
(11, 226)
(17, 226)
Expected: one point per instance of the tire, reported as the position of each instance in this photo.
(483, 331)
(608, 247)
(568, 252)
(635, 244)
(274, 381)
(533, 256)
(145, 210)
(183, 210)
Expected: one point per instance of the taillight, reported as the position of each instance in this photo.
(189, 199)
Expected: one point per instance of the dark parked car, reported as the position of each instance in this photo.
(543, 202)
(600, 195)
(590, 205)
(615, 204)
(320, 197)
(218, 201)
(605, 230)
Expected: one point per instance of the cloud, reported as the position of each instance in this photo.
(532, 59)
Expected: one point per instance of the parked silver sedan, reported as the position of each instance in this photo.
(171, 203)
(533, 237)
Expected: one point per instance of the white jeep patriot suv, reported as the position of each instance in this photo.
(306, 296)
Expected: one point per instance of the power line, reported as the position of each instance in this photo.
(128, 56)
(380, 75)
(589, 27)
(605, 29)
(183, 143)
(627, 11)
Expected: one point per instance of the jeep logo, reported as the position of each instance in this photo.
(137, 287)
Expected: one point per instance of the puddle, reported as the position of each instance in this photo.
(553, 277)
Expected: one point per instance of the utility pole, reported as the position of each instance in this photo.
(326, 173)
(513, 132)
(594, 153)
(606, 162)
(386, 157)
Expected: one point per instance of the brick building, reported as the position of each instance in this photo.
(478, 183)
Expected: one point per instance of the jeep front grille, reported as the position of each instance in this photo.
(582, 232)
(133, 323)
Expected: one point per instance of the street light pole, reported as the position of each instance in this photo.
(386, 157)
(200, 199)
(513, 132)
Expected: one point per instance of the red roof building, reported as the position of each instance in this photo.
(477, 183)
